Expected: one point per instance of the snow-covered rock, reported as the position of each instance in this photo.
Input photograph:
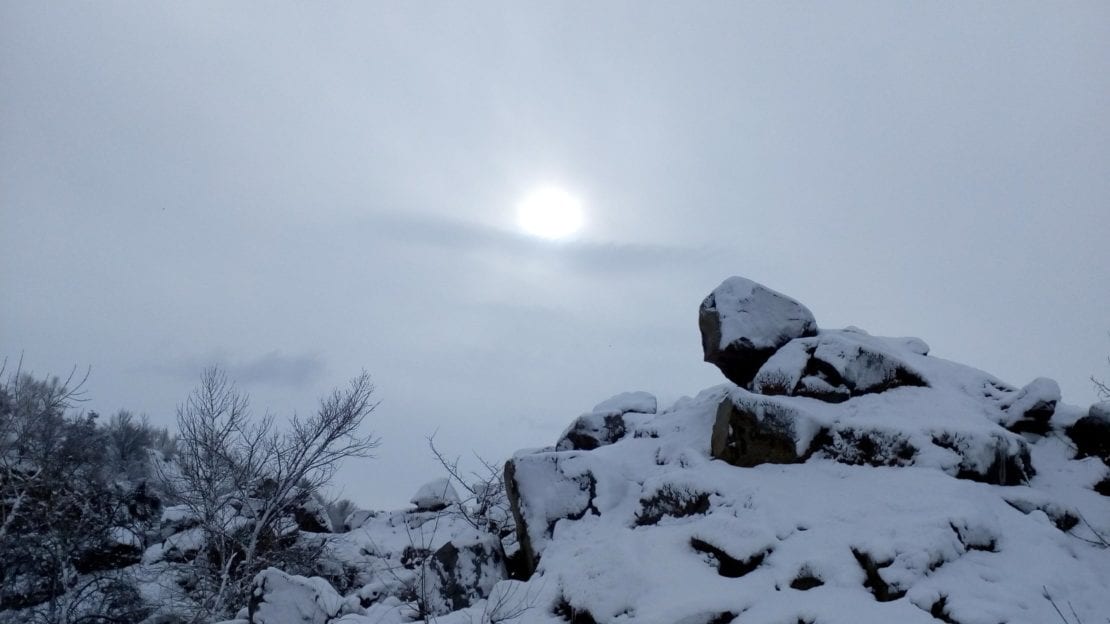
(462, 572)
(837, 365)
(654, 530)
(413, 562)
(280, 598)
(743, 323)
(1032, 407)
(357, 518)
(876, 430)
(183, 546)
(435, 495)
(175, 519)
(609, 421)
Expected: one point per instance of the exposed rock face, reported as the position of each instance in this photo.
(758, 432)
(1091, 434)
(751, 429)
(743, 323)
(280, 598)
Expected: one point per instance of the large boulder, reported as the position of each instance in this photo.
(751, 429)
(545, 488)
(743, 323)
(280, 598)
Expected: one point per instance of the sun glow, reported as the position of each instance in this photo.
(550, 212)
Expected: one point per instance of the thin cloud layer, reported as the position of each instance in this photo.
(273, 368)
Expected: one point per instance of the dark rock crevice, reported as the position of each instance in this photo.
(874, 580)
(671, 501)
(570, 614)
(727, 565)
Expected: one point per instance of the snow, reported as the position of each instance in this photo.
(287, 599)
(437, 493)
(757, 315)
(640, 401)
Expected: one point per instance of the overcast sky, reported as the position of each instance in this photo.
(300, 191)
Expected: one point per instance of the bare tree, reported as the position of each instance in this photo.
(243, 478)
(484, 502)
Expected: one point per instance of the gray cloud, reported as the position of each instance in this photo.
(581, 254)
(273, 368)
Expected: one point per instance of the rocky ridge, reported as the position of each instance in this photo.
(839, 478)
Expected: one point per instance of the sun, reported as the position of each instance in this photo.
(550, 212)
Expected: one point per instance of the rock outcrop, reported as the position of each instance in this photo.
(837, 463)
(841, 477)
